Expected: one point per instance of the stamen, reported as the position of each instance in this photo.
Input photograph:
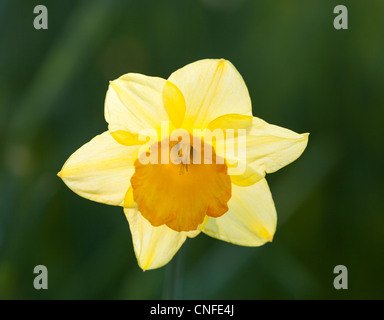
(182, 165)
(185, 154)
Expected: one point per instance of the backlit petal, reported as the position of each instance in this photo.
(211, 88)
(271, 147)
(174, 104)
(251, 218)
(154, 246)
(101, 170)
(134, 102)
(267, 149)
(247, 178)
(231, 121)
(194, 233)
(128, 138)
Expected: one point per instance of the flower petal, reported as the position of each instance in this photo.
(271, 147)
(127, 138)
(248, 178)
(267, 149)
(101, 170)
(129, 202)
(194, 233)
(134, 102)
(174, 104)
(211, 88)
(251, 218)
(154, 246)
(231, 121)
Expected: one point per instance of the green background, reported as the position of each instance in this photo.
(301, 73)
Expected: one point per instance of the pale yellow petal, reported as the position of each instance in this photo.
(154, 246)
(267, 148)
(250, 220)
(134, 103)
(211, 88)
(231, 121)
(101, 170)
(194, 233)
(247, 178)
(174, 104)
(270, 147)
(129, 202)
(128, 138)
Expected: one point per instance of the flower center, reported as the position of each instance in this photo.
(180, 192)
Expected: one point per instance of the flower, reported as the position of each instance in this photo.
(167, 201)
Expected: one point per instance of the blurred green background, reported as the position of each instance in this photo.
(301, 73)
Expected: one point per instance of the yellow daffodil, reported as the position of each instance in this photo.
(174, 178)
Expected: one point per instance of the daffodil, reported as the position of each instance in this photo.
(166, 202)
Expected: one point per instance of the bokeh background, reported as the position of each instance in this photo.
(301, 73)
